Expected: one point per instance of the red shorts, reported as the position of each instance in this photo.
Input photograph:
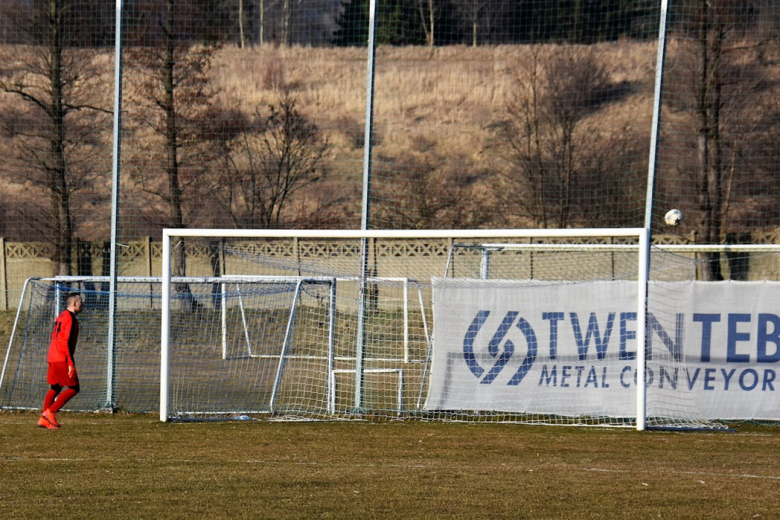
(58, 375)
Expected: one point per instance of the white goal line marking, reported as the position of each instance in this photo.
(691, 473)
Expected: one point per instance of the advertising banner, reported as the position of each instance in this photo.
(570, 348)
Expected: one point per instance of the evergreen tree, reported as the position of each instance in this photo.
(353, 24)
(398, 23)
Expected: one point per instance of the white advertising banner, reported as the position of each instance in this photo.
(570, 348)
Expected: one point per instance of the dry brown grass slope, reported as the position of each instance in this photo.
(439, 102)
(449, 95)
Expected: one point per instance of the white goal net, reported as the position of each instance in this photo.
(575, 327)
(526, 326)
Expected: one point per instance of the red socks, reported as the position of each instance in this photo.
(64, 397)
(49, 399)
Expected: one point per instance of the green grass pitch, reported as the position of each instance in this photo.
(134, 466)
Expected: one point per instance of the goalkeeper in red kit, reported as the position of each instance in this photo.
(62, 374)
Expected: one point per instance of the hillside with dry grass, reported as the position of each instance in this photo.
(437, 111)
(449, 96)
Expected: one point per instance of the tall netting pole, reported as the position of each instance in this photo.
(656, 125)
(115, 185)
(366, 204)
(647, 239)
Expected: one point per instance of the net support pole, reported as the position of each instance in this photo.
(646, 239)
(406, 320)
(115, 168)
(657, 105)
(165, 328)
(641, 329)
(331, 398)
(243, 321)
(223, 318)
(428, 346)
(288, 338)
(366, 203)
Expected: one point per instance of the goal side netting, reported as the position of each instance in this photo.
(234, 337)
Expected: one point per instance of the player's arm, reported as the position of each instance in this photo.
(62, 337)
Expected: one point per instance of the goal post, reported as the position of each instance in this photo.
(351, 356)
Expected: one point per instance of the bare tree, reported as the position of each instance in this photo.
(289, 8)
(172, 93)
(327, 207)
(241, 35)
(479, 16)
(430, 14)
(723, 83)
(58, 84)
(420, 191)
(265, 161)
(265, 11)
(557, 162)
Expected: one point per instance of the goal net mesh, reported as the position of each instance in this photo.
(229, 336)
(134, 361)
(404, 329)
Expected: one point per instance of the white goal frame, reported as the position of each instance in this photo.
(640, 234)
(238, 279)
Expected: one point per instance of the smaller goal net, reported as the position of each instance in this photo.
(250, 345)
(237, 341)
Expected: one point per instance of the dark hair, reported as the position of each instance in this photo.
(72, 296)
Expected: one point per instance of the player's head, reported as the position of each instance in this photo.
(75, 303)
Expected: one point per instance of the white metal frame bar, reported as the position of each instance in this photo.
(248, 278)
(285, 348)
(641, 334)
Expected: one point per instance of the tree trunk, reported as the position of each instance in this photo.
(286, 22)
(171, 144)
(60, 196)
(241, 23)
(708, 141)
(262, 22)
(716, 160)
(575, 33)
(430, 16)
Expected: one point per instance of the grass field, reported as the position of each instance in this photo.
(133, 466)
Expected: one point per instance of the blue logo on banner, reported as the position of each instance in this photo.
(494, 348)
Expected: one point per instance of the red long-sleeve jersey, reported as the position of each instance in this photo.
(64, 338)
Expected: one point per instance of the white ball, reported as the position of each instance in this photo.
(673, 217)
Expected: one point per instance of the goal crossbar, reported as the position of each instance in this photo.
(168, 233)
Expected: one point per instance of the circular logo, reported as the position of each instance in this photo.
(499, 349)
